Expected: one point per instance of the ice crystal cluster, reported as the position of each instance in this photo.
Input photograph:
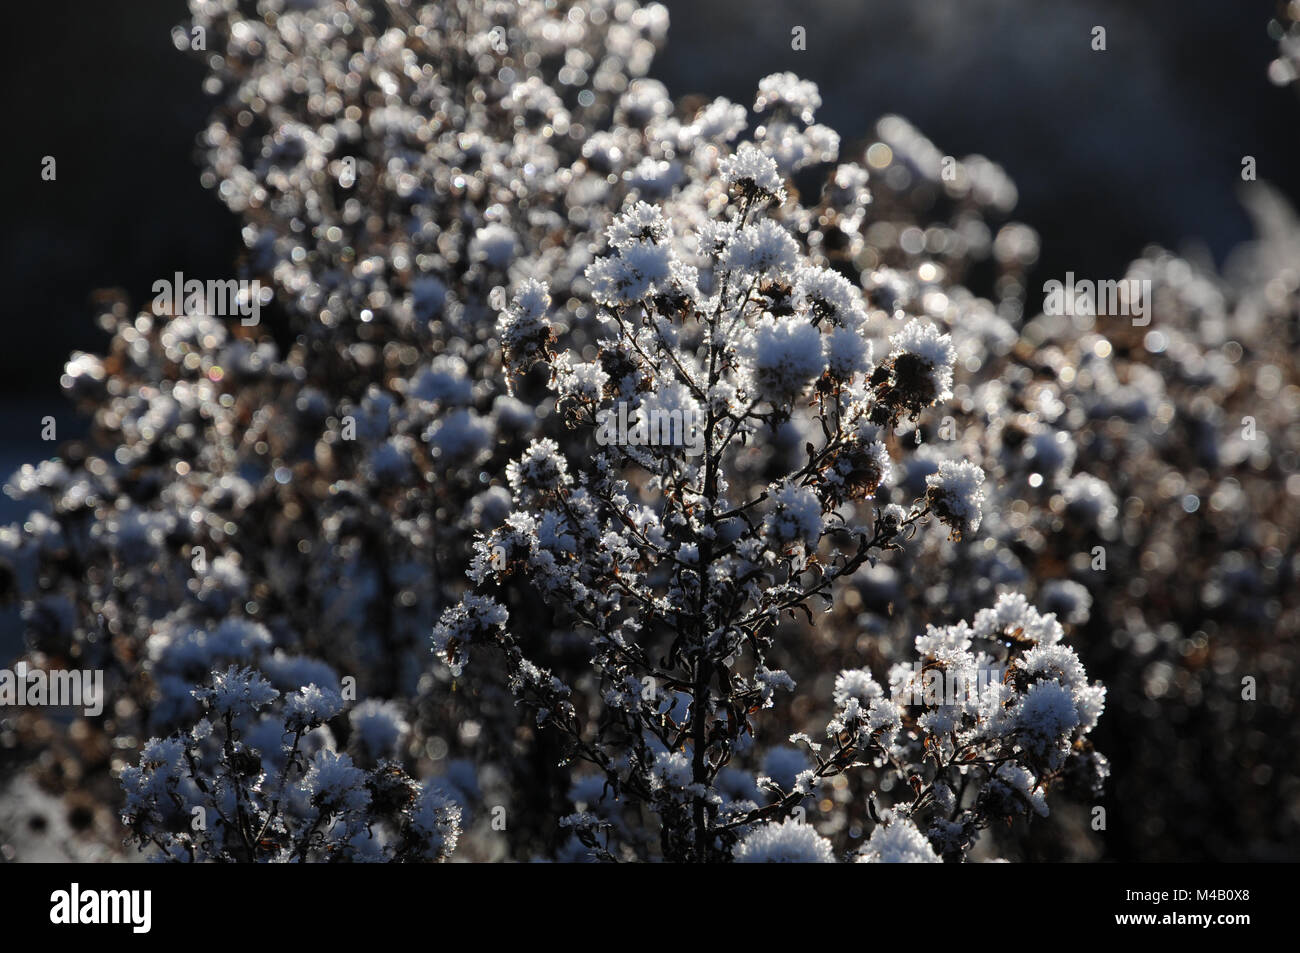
(361, 594)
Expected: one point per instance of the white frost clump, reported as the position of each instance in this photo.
(643, 264)
(672, 768)
(753, 172)
(1057, 664)
(1012, 611)
(719, 121)
(460, 624)
(794, 148)
(1091, 498)
(161, 767)
(333, 785)
(435, 822)
(236, 691)
(847, 354)
(795, 517)
(857, 684)
(639, 269)
(1045, 719)
(1022, 781)
(495, 245)
(462, 436)
(956, 495)
(580, 380)
(1050, 451)
(761, 248)
(934, 350)
(446, 380)
(1067, 599)
(786, 356)
(788, 133)
(310, 706)
(524, 329)
(178, 646)
(640, 221)
(799, 96)
(790, 842)
(379, 727)
(828, 295)
(898, 842)
(541, 468)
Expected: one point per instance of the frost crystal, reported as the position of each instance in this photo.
(789, 842)
(897, 842)
(753, 173)
(787, 356)
(955, 494)
(796, 516)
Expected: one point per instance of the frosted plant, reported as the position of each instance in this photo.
(976, 732)
(1108, 448)
(678, 568)
(256, 778)
(425, 188)
(375, 153)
